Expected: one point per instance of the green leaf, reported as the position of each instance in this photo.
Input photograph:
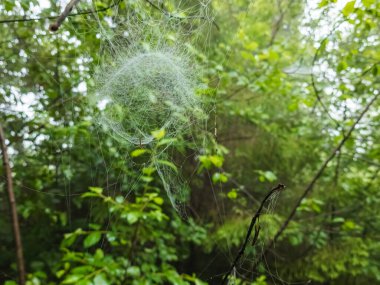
(91, 239)
(368, 3)
(10, 282)
(375, 70)
(99, 254)
(97, 190)
(216, 160)
(167, 141)
(323, 3)
(146, 179)
(158, 200)
(168, 163)
(68, 240)
(8, 7)
(100, 280)
(349, 8)
(159, 134)
(349, 225)
(342, 66)
(323, 44)
(132, 218)
(232, 194)
(111, 236)
(267, 176)
(199, 282)
(138, 152)
(219, 177)
(89, 194)
(148, 170)
(133, 271)
(338, 220)
(60, 273)
(119, 199)
(72, 279)
(252, 46)
(84, 282)
(94, 226)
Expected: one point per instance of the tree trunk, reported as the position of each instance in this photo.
(12, 204)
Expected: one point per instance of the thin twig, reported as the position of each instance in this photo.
(313, 84)
(312, 75)
(249, 232)
(13, 208)
(277, 24)
(54, 17)
(316, 177)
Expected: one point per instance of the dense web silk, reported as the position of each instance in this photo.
(148, 91)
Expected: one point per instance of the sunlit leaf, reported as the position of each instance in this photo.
(138, 152)
(91, 239)
(96, 190)
(349, 8)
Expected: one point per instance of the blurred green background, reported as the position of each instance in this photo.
(282, 83)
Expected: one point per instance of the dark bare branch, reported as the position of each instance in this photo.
(55, 26)
(279, 187)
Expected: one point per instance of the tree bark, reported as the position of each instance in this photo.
(13, 209)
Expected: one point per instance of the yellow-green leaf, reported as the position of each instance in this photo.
(323, 3)
(216, 160)
(368, 3)
(158, 200)
(159, 134)
(232, 194)
(349, 8)
(138, 152)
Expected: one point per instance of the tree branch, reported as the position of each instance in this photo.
(312, 75)
(316, 177)
(277, 24)
(13, 208)
(55, 26)
(279, 187)
(313, 84)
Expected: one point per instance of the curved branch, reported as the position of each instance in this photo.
(279, 187)
(313, 84)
